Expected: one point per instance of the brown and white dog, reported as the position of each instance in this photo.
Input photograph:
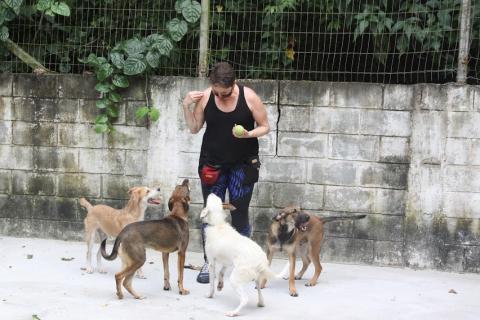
(297, 232)
(104, 220)
(165, 235)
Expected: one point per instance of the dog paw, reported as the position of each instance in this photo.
(285, 278)
(140, 297)
(298, 278)
(119, 295)
(260, 305)
(220, 286)
(103, 271)
(293, 293)
(310, 284)
(166, 288)
(209, 296)
(184, 292)
(89, 270)
(231, 314)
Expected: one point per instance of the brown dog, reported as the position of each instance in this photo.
(298, 232)
(166, 235)
(102, 219)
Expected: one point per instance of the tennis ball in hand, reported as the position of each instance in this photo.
(239, 130)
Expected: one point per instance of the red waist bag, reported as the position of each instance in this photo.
(209, 175)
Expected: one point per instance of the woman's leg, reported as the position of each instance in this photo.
(240, 196)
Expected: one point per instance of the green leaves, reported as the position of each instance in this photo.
(163, 45)
(3, 33)
(132, 57)
(120, 81)
(149, 112)
(133, 66)
(177, 29)
(51, 7)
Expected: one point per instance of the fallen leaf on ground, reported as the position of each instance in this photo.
(29, 256)
(67, 259)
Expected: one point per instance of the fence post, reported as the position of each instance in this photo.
(204, 24)
(464, 45)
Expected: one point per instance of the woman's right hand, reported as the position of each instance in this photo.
(192, 97)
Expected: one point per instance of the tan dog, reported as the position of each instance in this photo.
(102, 219)
(166, 235)
(298, 232)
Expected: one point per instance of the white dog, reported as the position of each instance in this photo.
(225, 246)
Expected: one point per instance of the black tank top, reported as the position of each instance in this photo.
(219, 146)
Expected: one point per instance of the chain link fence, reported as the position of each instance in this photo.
(385, 41)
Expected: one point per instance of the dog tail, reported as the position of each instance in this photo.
(114, 253)
(335, 218)
(84, 203)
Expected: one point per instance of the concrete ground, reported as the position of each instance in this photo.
(40, 280)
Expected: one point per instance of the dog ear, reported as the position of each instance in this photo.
(131, 190)
(228, 206)
(203, 213)
(185, 203)
(170, 204)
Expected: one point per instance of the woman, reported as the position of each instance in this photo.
(229, 153)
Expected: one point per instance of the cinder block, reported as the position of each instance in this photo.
(79, 185)
(350, 147)
(34, 109)
(462, 205)
(5, 181)
(56, 159)
(333, 120)
(263, 197)
(306, 93)
(267, 144)
(130, 109)
(357, 95)
(463, 179)
(6, 108)
(102, 161)
(385, 123)
(463, 125)
(394, 149)
(33, 183)
(283, 170)
(459, 97)
(262, 218)
(77, 86)
(39, 86)
(384, 175)
(458, 151)
(286, 194)
(135, 164)
(392, 202)
(398, 97)
(299, 144)
(5, 132)
(433, 97)
(379, 227)
(6, 79)
(79, 135)
(348, 250)
(116, 187)
(388, 253)
(267, 90)
(349, 199)
(67, 110)
(37, 134)
(16, 157)
(128, 137)
(332, 172)
(294, 118)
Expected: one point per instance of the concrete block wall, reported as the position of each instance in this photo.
(406, 156)
(50, 155)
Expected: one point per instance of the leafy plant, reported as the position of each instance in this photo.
(134, 57)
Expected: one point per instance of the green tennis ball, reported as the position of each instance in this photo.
(239, 130)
